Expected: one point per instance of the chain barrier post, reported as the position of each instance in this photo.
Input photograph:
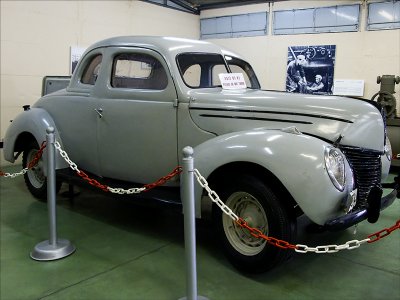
(53, 248)
(187, 194)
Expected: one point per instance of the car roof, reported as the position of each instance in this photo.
(169, 46)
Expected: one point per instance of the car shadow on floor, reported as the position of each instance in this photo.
(165, 223)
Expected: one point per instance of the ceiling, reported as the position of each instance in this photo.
(199, 5)
(208, 4)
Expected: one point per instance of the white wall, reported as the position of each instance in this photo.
(36, 37)
(359, 55)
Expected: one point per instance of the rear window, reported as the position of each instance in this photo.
(92, 69)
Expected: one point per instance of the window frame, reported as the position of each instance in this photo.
(128, 53)
(253, 79)
(316, 29)
(369, 24)
(76, 85)
(88, 64)
(198, 53)
(231, 33)
(106, 91)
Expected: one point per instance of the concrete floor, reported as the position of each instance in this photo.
(126, 251)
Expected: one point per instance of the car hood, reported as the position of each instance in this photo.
(354, 122)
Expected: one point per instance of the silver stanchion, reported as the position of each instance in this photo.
(187, 194)
(53, 248)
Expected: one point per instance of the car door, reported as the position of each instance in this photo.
(137, 133)
(75, 116)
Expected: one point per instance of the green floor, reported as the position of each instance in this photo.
(125, 251)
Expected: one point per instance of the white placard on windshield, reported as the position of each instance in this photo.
(232, 81)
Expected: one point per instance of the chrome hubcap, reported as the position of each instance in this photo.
(247, 207)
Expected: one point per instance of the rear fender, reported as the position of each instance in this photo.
(30, 123)
(296, 160)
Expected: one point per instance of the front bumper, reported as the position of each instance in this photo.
(376, 203)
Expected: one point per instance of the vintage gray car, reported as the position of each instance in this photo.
(133, 104)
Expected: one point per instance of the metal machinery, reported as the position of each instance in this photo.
(388, 101)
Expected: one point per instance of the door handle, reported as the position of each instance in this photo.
(99, 112)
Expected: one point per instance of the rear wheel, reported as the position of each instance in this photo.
(35, 179)
(252, 200)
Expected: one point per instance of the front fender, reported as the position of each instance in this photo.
(297, 160)
(34, 122)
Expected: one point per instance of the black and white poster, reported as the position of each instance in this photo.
(310, 69)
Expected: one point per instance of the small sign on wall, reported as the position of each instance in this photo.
(348, 87)
(232, 81)
(76, 53)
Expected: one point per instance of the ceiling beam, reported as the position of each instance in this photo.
(194, 6)
(230, 3)
(185, 5)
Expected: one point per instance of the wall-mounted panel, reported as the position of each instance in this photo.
(252, 24)
(341, 18)
(383, 15)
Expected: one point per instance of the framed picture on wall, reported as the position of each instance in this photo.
(310, 69)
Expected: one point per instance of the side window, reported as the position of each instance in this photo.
(138, 71)
(91, 71)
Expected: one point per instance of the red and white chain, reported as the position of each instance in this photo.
(13, 175)
(74, 167)
(64, 155)
(30, 165)
(350, 245)
(214, 197)
(353, 244)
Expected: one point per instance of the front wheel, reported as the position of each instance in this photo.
(35, 179)
(252, 200)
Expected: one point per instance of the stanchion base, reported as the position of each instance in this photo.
(45, 252)
(198, 298)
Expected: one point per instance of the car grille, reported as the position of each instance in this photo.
(366, 165)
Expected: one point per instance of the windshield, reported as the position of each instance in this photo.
(201, 70)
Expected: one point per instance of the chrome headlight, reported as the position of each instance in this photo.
(335, 166)
(388, 149)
